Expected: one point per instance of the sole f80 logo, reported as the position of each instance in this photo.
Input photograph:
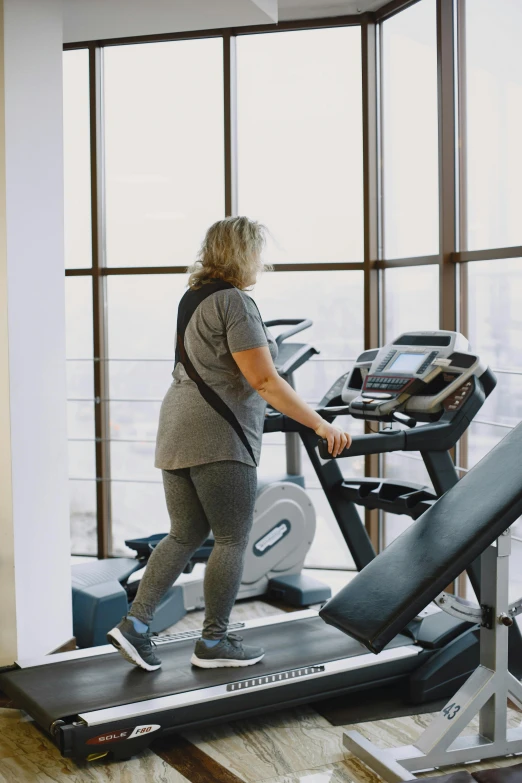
(122, 734)
(273, 537)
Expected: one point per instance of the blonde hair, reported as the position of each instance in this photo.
(231, 251)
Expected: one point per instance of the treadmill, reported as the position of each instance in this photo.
(92, 703)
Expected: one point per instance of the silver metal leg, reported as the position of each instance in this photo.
(486, 693)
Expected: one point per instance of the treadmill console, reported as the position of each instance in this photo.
(419, 373)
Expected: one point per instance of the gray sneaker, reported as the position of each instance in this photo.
(229, 652)
(137, 648)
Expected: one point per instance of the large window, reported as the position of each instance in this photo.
(410, 146)
(300, 142)
(495, 332)
(272, 125)
(77, 159)
(493, 100)
(164, 160)
(80, 415)
(79, 309)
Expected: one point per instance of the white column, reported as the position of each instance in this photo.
(35, 585)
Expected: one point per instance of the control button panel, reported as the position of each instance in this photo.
(430, 358)
(455, 400)
(385, 361)
(385, 383)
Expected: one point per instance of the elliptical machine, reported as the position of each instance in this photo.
(282, 533)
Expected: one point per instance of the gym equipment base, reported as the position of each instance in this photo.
(486, 692)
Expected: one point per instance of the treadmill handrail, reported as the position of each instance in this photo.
(439, 436)
(301, 354)
(297, 324)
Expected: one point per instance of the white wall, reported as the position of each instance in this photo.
(35, 610)
(86, 20)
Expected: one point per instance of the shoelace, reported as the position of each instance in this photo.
(149, 638)
(234, 637)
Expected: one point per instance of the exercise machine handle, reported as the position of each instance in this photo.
(373, 443)
(297, 324)
(403, 418)
(333, 410)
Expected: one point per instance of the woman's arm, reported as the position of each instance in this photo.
(258, 368)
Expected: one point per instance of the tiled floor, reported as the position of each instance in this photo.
(292, 746)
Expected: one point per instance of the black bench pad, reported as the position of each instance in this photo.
(394, 587)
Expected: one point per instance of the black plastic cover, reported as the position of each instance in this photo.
(465, 360)
(368, 356)
(423, 339)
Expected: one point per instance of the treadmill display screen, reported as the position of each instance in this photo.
(406, 362)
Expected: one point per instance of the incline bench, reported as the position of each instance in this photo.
(472, 519)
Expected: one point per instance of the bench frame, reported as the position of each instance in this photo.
(485, 692)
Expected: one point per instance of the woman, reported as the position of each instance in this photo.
(209, 441)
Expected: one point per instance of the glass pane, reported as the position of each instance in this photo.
(495, 331)
(137, 510)
(411, 299)
(79, 353)
(77, 159)
(410, 132)
(494, 314)
(494, 117)
(164, 149)
(82, 505)
(141, 325)
(80, 413)
(132, 458)
(78, 305)
(333, 300)
(79, 338)
(300, 142)
(142, 313)
(80, 421)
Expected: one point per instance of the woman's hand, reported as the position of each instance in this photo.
(337, 439)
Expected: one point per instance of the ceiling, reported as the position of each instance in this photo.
(91, 20)
(95, 20)
(311, 9)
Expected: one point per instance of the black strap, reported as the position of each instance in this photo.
(187, 307)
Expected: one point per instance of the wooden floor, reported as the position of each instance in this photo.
(292, 746)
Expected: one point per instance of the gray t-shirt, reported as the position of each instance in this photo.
(190, 431)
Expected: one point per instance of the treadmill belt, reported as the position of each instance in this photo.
(65, 689)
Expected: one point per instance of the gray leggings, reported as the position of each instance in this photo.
(219, 496)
